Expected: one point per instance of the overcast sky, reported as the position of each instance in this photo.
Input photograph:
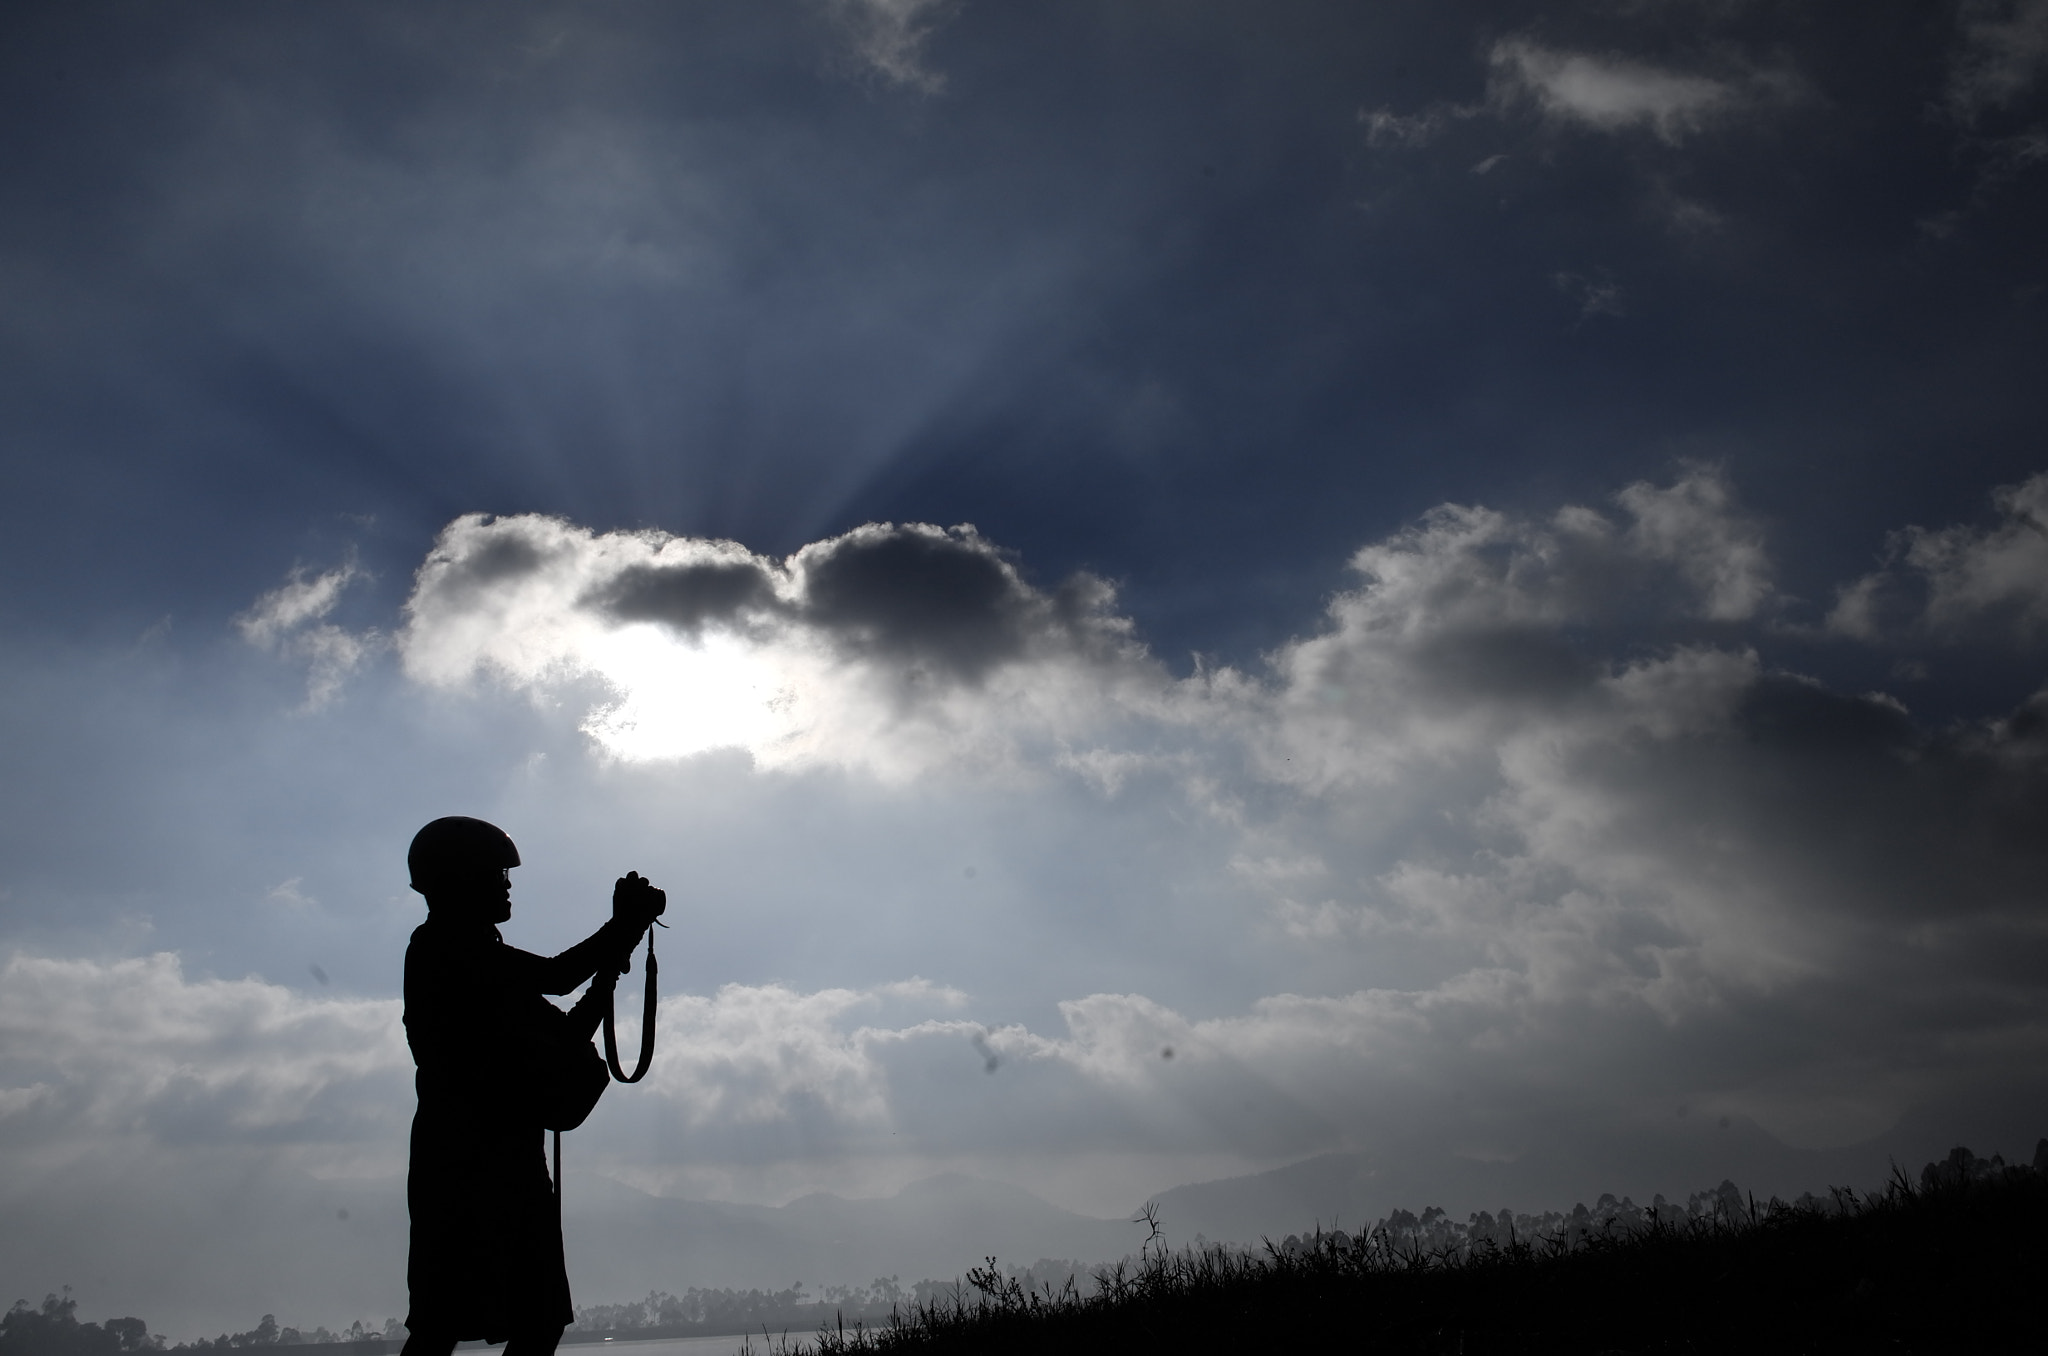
(1476, 572)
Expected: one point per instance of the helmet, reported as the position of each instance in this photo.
(457, 846)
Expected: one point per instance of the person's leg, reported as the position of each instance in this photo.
(427, 1344)
(532, 1342)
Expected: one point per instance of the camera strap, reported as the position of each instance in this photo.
(611, 1048)
(611, 1036)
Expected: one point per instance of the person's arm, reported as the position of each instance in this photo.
(635, 905)
(602, 952)
(588, 1014)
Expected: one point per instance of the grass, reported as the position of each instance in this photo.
(1947, 1265)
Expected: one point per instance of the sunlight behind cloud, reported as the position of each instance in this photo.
(893, 647)
(685, 696)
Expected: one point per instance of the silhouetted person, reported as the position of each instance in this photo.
(486, 1231)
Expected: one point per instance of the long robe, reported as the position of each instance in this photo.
(486, 1258)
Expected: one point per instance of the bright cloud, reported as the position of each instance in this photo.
(134, 1045)
(752, 1054)
(1610, 93)
(890, 648)
(904, 648)
(291, 620)
(293, 604)
(1696, 526)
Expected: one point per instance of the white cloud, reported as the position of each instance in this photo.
(1974, 572)
(1611, 93)
(115, 1048)
(752, 1054)
(293, 604)
(1580, 837)
(1959, 581)
(136, 1048)
(889, 37)
(1695, 525)
(1602, 92)
(2003, 50)
(1440, 684)
(289, 895)
(1459, 627)
(290, 620)
(903, 649)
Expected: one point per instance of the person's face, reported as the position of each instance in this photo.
(485, 894)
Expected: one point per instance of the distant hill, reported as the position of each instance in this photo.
(623, 1243)
(1350, 1189)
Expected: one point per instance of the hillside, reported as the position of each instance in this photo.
(1949, 1264)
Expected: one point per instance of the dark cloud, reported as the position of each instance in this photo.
(1857, 813)
(920, 596)
(1791, 713)
(2027, 727)
(687, 597)
(498, 558)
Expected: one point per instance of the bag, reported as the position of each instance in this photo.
(573, 1077)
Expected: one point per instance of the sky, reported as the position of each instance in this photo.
(1169, 588)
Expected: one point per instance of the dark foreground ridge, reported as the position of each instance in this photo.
(1952, 1263)
(1948, 1263)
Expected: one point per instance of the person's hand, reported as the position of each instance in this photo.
(636, 903)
